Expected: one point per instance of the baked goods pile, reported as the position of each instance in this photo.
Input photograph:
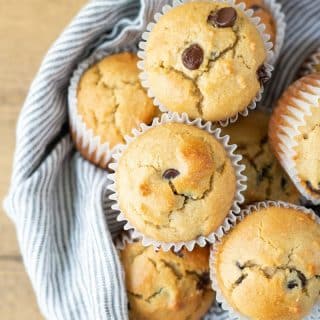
(211, 190)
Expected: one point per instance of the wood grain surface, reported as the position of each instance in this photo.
(27, 29)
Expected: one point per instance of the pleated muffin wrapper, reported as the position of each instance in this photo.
(278, 16)
(288, 131)
(86, 141)
(233, 314)
(124, 238)
(309, 66)
(235, 159)
(255, 20)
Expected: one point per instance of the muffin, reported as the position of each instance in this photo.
(268, 266)
(175, 183)
(111, 101)
(311, 64)
(266, 178)
(261, 11)
(294, 134)
(166, 285)
(205, 59)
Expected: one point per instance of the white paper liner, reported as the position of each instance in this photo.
(235, 158)
(84, 137)
(254, 20)
(233, 314)
(279, 17)
(309, 65)
(114, 226)
(125, 237)
(289, 130)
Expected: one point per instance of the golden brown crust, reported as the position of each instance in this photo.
(111, 100)
(294, 100)
(268, 266)
(167, 285)
(266, 179)
(193, 203)
(226, 81)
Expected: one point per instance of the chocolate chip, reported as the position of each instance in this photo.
(264, 140)
(240, 279)
(203, 281)
(178, 253)
(241, 267)
(170, 174)
(312, 188)
(192, 57)
(223, 18)
(264, 173)
(302, 278)
(262, 75)
(292, 284)
(255, 7)
(283, 183)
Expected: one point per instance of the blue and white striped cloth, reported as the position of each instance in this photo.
(57, 200)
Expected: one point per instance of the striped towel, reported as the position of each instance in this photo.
(57, 200)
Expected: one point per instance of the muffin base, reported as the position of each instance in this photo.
(279, 17)
(88, 144)
(284, 129)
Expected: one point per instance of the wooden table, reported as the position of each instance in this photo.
(27, 29)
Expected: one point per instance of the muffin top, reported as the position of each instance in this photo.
(261, 11)
(266, 178)
(167, 285)
(175, 182)
(111, 100)
(305, 92)
(268, 266)
(205, 59)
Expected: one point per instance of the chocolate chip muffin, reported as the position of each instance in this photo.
(294, 133)
(268, 266)
(261, 11)
(266, 179)
(175, 183)
(205, 59)
(166, 285)
(111, 101)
